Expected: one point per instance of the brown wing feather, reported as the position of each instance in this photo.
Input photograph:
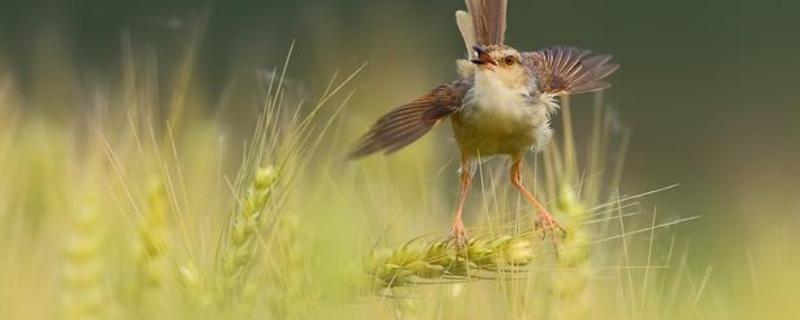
(568, 70)
(407, 123)
(488, 20)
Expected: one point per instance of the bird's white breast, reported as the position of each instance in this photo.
(498, 119)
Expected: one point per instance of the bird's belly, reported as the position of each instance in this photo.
(501, 126)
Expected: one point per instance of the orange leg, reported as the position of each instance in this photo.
(545, 220)
(457, 232)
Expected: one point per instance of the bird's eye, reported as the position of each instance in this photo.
(509, 60)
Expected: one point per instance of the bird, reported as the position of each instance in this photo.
(500, 104)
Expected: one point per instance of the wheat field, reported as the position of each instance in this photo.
(124, 196)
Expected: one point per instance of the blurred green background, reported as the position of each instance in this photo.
(709, 88)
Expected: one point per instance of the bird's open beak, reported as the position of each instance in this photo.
(483, 57)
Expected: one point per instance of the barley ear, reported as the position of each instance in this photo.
(243, 236)
(151, 261)
(84, 293)
(569, 281)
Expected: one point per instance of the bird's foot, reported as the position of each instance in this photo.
(458, 235)
(546, 223)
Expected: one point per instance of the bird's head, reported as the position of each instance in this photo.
(501, 62)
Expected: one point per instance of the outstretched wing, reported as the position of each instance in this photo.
(407, 123)
(568, 70)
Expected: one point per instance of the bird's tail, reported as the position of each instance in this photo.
(464, 22)
(484, 23)
(488, 22)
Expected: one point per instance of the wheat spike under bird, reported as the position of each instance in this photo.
(500, 105)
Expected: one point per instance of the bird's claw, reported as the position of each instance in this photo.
(547, 224)
(458, 235)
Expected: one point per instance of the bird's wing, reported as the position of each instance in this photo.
(407, 123)
(568, 70)
(488, 20)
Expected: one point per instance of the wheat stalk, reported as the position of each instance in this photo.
(248, 223)
(84, 294)
(152, 264)
(569, 281)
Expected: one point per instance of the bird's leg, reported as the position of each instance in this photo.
(545, 220)
(457, 232)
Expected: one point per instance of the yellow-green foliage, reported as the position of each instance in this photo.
(571, 278)
(439, 260)
(152, 265)
(153, 202)
(85, 295)
(249, 222)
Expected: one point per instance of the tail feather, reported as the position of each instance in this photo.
(488, 20)
(484, 23)
(464, 22)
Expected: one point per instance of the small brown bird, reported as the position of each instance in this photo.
(500, 105)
